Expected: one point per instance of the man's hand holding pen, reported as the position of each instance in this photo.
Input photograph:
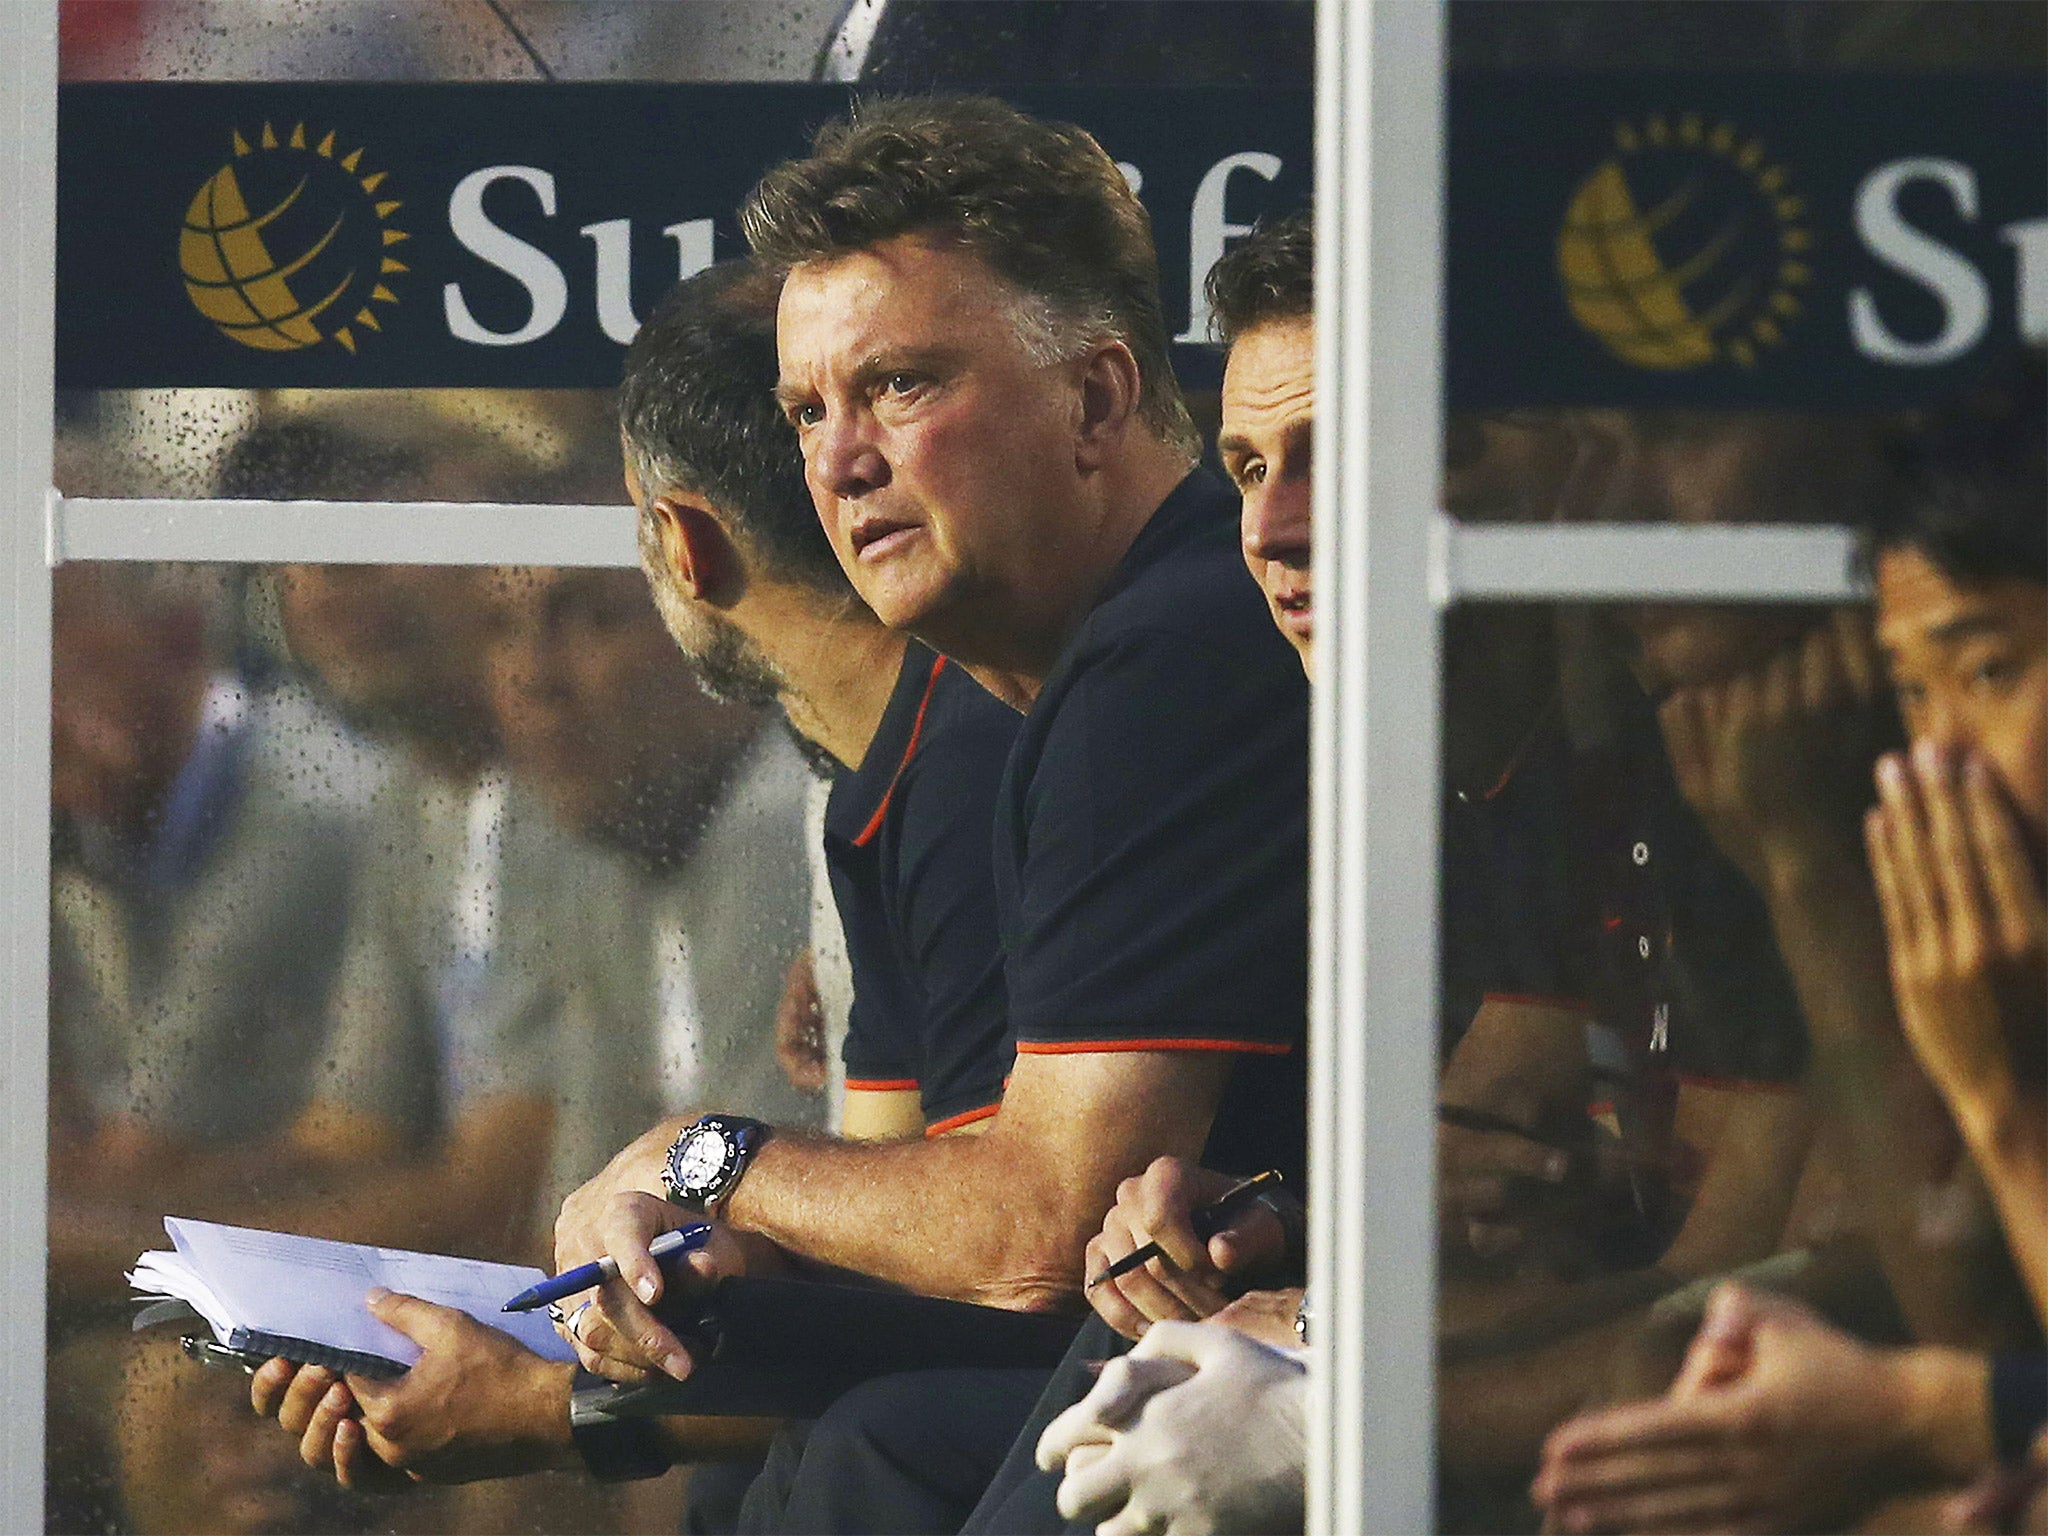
(617, 1334)
(1492, 1176)
(1191, 1278)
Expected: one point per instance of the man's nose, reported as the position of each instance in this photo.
(845, 459)
(1942, 725)
(534, 668)
(1276, 521)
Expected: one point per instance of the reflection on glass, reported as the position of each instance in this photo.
(1716, 948)
(513, 445)
(388, 903)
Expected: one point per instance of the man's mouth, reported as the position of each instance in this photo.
(1295, 608)
(875, 537)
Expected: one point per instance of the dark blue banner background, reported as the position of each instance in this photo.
(1648, 240)
(132, 158)
(1522, 148)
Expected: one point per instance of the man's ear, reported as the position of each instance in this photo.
(1110, 391)
(697, 550)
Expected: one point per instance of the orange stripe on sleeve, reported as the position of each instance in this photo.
(1540, 1000)
(1736, 1084)
(880, 1084)
(954, 1122)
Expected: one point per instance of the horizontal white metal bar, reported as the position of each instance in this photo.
(1584, 562)
(341, 532)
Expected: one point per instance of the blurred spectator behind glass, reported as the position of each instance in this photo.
(687, 894)
(195, 898)
(632, 886)
(1777, 1420)
(1771, 718)
(194, 892)
(484, 916)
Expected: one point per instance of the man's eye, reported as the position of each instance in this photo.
(808, 414)
(1991, 675)
(900, 383)
(1253, 473)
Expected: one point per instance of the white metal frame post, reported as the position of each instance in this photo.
(1386, 567)
(1379, 184)
(28, 193)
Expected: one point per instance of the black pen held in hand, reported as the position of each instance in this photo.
(1207, 1222)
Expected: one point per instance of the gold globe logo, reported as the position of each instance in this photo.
(1685, 247)
(288, 246)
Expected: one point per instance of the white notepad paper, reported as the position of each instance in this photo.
(266, 1289)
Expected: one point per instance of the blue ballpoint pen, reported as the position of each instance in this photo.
(586, 1277)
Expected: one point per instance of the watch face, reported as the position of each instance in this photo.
(699, 1161)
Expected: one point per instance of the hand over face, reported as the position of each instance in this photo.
(476, 1404)
(1197, 1431)
(1186, 1282)
(1773, 759)
(1777, 1422)
(1966, 927)
(1497, 1191)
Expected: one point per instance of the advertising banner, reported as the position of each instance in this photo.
(1792, 241)
(1851, 241)
(510, 235)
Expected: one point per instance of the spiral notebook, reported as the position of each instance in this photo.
(275, 1293)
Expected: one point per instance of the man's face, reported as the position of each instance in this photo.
(1269, 404)
(127, 678)
(1970, 662)
(397, 648)
(1506, 466)
(940, 453)
(1709, 467)
(595, 706)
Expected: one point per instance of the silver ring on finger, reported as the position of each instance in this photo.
(575, 1324)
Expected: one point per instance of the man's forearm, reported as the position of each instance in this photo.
(1943, 1403)
(1548, 1313)
(2010, 1144)
(1896, 1135)
(1495, 1412)
(1002, 1218)
(961, 1216)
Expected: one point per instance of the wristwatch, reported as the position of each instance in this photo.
(706, 1161)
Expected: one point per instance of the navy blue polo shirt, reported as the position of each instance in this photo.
(1151, 854)
(1506, 902)
(1688, 965)
(908, 836)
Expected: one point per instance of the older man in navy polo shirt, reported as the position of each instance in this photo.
(975, 362)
